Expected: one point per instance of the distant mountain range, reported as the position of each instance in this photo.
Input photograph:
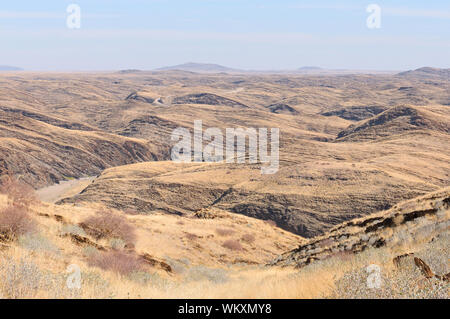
(199, 67)
(309, 68)
(216, 68)
(9, 68)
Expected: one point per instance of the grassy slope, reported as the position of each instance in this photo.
(36, 265)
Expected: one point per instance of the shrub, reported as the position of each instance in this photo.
(117, 261)
(20, 278)
(108, 225)
(14, 222)
(327, 242)
(72, 229)
(199, 273)
(232, 244)
(130, 211)
(20, 193)
(178, 266)
(271, 222)
(248, 238)
(224, 231)
(117, 243)
(191, 236)
(145, 279)
(37, 242)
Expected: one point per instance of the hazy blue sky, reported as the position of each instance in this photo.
(250, 34)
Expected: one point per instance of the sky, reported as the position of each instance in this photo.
(246, 34)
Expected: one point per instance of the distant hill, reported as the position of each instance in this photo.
(129, 71)
(427, 71)
(356, 113)
(199, 67)
(394, 121)
(9, 68)
(309, 68)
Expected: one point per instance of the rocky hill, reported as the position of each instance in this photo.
(206, 98)
(356, 113)
(397, 120)
(427, 72)
(71, 149)
(411, 222)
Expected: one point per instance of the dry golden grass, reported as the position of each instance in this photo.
(36, 267)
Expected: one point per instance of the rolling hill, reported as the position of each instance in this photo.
(332, 167)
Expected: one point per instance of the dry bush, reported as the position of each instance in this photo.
(20, 193)
(232, 244)
(19, 278)
(69, 229)
(109, 225)
(117, 261)
(248, 238)
(271, 222)
(326, 243)
(14, 222)
(117, 244)
(224, 231)
(191, 236)
(37, 242)
(202, 273)
(344, 256)
(130, 211)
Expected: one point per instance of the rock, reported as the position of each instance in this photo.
(140, 96)
(280, 108)
(208, 99)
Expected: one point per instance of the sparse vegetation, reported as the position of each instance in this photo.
(116, 261)
(109, 225)
(27, 273)
(72, 229)
(20, 193)
(14, 222)
(224, 232)
(201, 273)
(248, 238)
(131, 211)
(38, 243)
(232, 244)
(271, 223)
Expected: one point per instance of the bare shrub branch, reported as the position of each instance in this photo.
(109, 225)
(14, 222)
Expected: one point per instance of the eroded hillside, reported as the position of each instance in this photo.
(350, 145)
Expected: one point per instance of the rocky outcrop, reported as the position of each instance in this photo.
(356, 113)
(280, 108)
(417, 221)
(394, 121)
(208, 99)
(141, 97)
